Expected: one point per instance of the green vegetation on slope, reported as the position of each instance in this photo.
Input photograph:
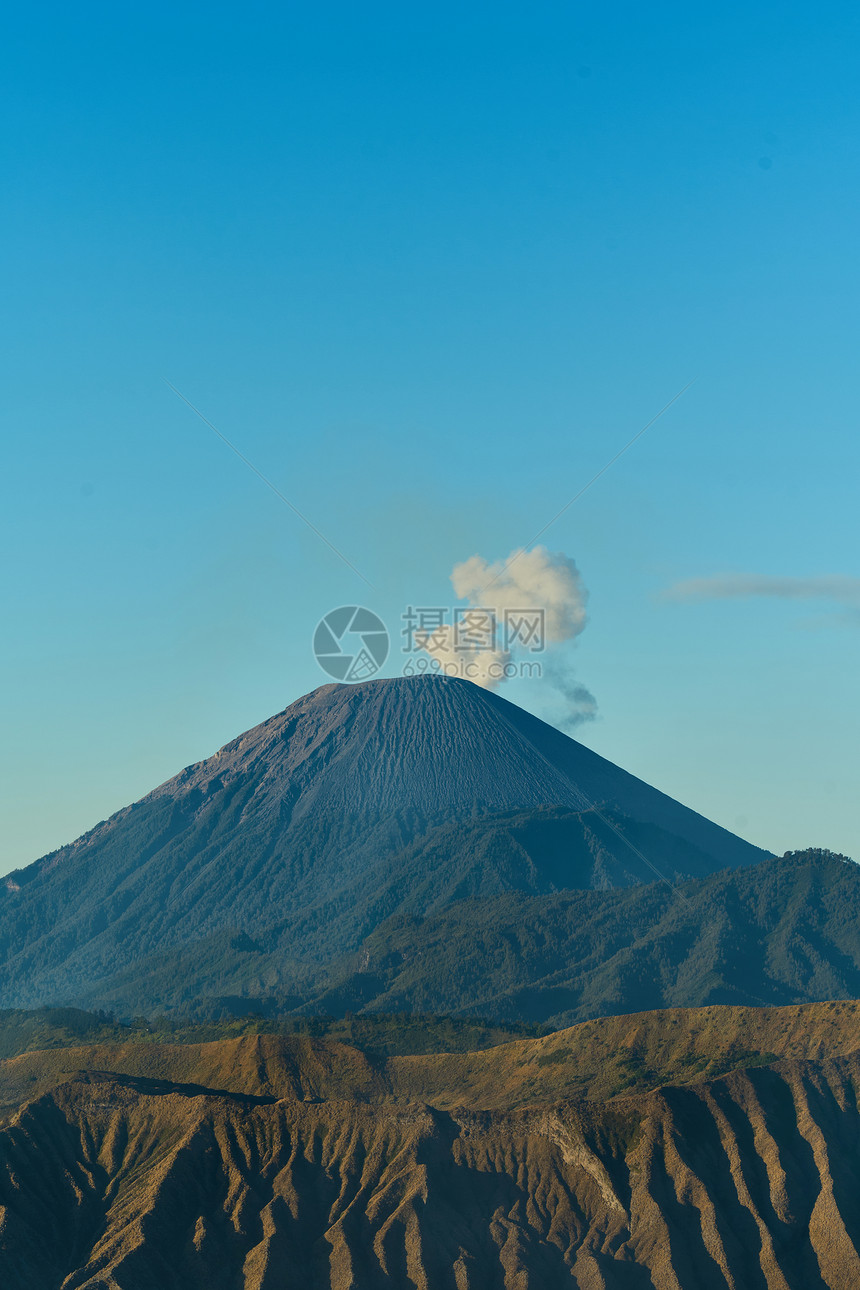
(23, 1030)
(83, 929)
(783, 931)
(598, 1059)
(258, 869)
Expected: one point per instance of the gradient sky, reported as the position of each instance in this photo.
(430, 267)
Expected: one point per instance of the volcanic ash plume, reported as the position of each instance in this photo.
(577, 705)
(540, 592)
(536, 579)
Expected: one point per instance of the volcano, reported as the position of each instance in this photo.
(301, 836)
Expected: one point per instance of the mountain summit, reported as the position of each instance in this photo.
(355, 803)
(436, 748)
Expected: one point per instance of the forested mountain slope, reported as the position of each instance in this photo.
(784, 931)
(355, 803)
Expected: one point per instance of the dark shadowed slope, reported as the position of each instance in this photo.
(785, 931)
(782, 932)
(328, 818)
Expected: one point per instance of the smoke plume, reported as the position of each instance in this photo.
(533, 602)
(533, 579)
(578, 704)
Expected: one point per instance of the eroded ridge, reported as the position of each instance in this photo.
(746, 1181)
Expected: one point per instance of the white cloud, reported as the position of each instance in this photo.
(732, 586)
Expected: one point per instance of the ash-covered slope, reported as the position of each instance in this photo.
(433, 748)
(310, 829)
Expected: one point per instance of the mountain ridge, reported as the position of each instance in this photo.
(332, 711)
(781, 932)
(314, 821)
(130, 1180)
(595, 1060)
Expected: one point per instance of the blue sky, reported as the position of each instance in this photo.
(429, 267)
